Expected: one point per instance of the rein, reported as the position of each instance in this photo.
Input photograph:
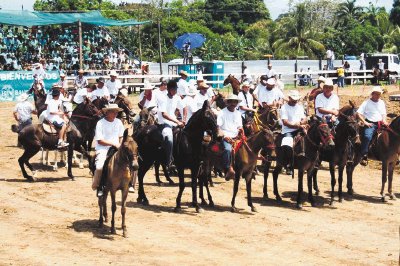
(83, 116)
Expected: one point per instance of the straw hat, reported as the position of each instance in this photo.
(376, 89)
(147, 86)
(113, 73)
(321, 78)
(56, 86)
(111, 107)
(183, 73)
(328, 82)
(124, 92)
(23, 97)
(232, 97)
(294, 95)
(271, 81)
(246, 83)
(62, 74)
(203, 86)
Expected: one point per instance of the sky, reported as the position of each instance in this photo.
(275, 7)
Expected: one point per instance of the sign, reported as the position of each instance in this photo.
(15, 83)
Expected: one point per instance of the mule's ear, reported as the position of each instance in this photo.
(352, 104)
(206, 105)
(125, 135)
(150, 108)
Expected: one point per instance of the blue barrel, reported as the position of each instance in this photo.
(217, 69)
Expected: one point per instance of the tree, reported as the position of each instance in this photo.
(395, 13)
(365, 38)
(347, 12)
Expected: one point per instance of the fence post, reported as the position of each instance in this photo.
(295, 71)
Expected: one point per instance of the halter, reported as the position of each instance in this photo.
(324, 140)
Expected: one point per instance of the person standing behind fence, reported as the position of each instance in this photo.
(329, 58)
(362, 61)
(340, 73)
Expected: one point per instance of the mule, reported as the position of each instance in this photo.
(128, 113)
(304, 157)
(378, 76)
(235, 83)
(117, 174)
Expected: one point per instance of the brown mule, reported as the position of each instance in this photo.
(235, 83)
(118, 173)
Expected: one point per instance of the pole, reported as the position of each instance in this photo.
(140, 46)
(159, 46)
(80, 44)
(295, 76)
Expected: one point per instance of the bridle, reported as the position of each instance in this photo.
(323, 139)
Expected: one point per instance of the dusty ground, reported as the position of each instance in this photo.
(54, 221)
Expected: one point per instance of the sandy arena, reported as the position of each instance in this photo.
(54, 221)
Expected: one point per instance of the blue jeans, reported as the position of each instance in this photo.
(367, 137)
(329, 63)
(227, 155)
(340, 81)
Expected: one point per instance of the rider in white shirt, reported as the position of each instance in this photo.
(270, 72)
(270, 96)
(183, 84)
(371, 112)
(201, 96)
(190, 104)
(147, 99)
(84, 93)
(80, 81)
(23, 111)
(101, 90)
(56, 116)
(246, 104)
(327, 103)
(113, 84)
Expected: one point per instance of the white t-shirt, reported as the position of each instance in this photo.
(210, 93)
(191, 105)
(80, 82)
(24, 110)
(229, 122)
(249, 102)
(327, 103)
(98, 93)
(373, 111)
(159, 95)
(270, 73)
(292, 114)
(39, 72)
(52, 107)
(108, 131)
(147, 103)
(199, 99)
(169, 106)
(381, 66)
(269, 96)
(81, 95)
(329, 54)
(113, 87)
(183, 87)
(50, 97)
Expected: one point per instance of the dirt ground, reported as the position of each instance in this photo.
(54, 221)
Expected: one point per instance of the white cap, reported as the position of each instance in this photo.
(328, 82)
(376, 89)
(271, 81)
(294, 94)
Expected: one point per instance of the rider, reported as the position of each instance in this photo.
(84, 93)
(23, 111)
(146, 98)
(246, 104)
(202, 95)
(113, 84)
(80, 81)
(270, 72)
(109, 132)
(183, 85)
(101, 90)
(372, 112)
(55, 116)
(381, 67)
(167, 118)
(269, 96)
(294, 121)
(63, 82)
(327, 104)
(230, 126)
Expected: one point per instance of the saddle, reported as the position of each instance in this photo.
(48, 128)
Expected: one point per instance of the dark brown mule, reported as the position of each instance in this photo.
(235, 83)
(245, 161)
(347, 142)
(318, 133)
(386, 149)
(117, 175)
(385, 76)
(127, 114)
(33, 137)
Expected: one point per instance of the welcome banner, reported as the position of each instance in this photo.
(14, 83)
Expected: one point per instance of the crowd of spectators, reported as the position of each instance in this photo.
(58, 48)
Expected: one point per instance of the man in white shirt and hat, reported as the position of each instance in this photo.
(189, 103)
(109, 133)
(101, 90)
(327, 104)
(23, 111)
(183, 84)
(84, 93)
(269, 96)
(147, 99)
(246, 104)
(270, 72)
(38, 70)
(202, 95)
(381, 67)
(371, 112)
(161, 92)
(167, 118)
(55, 115)
(229, 122)
(80, 81)
(113, 84)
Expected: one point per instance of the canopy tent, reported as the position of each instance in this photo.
(29, 18)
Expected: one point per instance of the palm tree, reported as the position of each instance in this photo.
(348, 11)
(298, 39)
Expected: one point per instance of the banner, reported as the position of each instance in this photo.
(14, 83)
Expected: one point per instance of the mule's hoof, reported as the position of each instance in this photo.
(112, 231)
(317, 193)
(171, 182)
(160, 183)
(278, 198)
(131, 189)
(392, 197)
(105, 219)
(211, 184)
(299, 206)
(145, 202)
(34, 174)
(350, 192)
(100, 224)
(125, 233)
(254, 209)
(177, 209)
(203, 203)
(383, 199)
(332, 203)
(340, 199)
(265, 197)
(211, 204)
(234, 209)
(31, 179)
(199, 209)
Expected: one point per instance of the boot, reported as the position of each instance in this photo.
(96, 182)
(364, 161)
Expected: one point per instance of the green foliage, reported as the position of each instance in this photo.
(395, 13)
(362, 38)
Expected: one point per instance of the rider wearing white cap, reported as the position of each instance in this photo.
(146, 97)
(327, 103)
(183, 84)
(371, 112)
(113, 84)
(270, 96)
(246, 104)
(23, 111)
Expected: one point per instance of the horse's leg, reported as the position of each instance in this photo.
(333, 181)
(248, 190)
(143, 168)
(315, 181)
(193, 174)
(166, 174)
(113, 209)
(340, 191)
(202, 183)
(349, 173)
(310, 188)
(210, 200)
(100, 201)
(181, 188)
(157, 172)
(275, 175)
(124, 194)
(105, 212)
(55, 165)
(235, 190)
(390, 177)
(299, 204)
(41, 160)
(267, 166)
(70, 155)
(384, 179)
(24, 159)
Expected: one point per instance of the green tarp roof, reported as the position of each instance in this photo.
(29, 18)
